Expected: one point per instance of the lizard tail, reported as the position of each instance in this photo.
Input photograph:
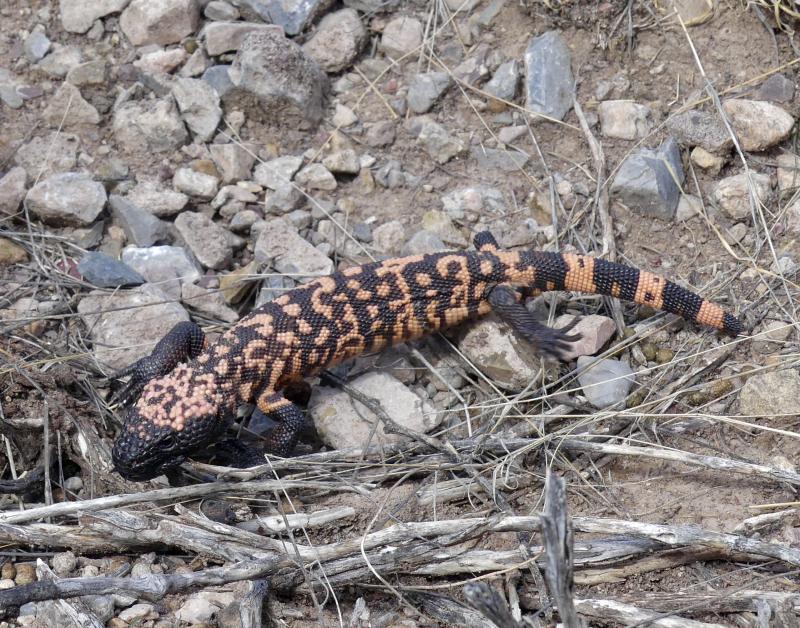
(582, 273)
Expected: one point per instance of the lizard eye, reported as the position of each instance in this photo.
(169, 441)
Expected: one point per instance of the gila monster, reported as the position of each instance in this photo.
(187, 391)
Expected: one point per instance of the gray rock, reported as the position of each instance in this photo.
(316, 177)
(344, 423)
(104, 271)
(243, 220)
(197, 64)
(60, 60)
(440, 224)
(218, 77)
(504, 83)
(771, 337)
(126, 325)
(210, 302)
(277, 172)
(425, 89)
(391, 175)
(732, 195)
(166, 267)
(700, 128)
(424, 241)
(606, 382)
(372, 7)
(141, 227)
(53, 153)
(153, 197)
(230, 194)
(88, 73)
(494, 349)
(474, 199)
(294, 16)
(12, 190)
(379, 134)
(209, 242)
(138, 613)
(151, 126)
(549, 84)
(67, 109)
(234, 161)
(67, 199)
(77, 16)
(277, 72)
(198, 103)
(401, 36)
(343, 117)
(389, 237)
(509, 134)
(280, 246)
(195, 183)
(343, 162)
(285, 198)
(36, 45)
(337, 40)
(224, 37)
(505, 160)
(221, 11)
(624, 120)
(759, 125)
(776, 88)
(646, 180)
(771, 393)
(272, 287)
(10, 96)
(159, 22)
(435, 140)
(158, 62)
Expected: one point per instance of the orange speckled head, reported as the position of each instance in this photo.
(175, 415)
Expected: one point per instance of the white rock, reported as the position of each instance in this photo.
(69, 198)
(758, 124)
(277, 172)
(605, 383)
(195, 183)
(624, 119)
(401, 36)
(159, 22)
(732, 196)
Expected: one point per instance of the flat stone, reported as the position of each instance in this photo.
(766, 394)
(67, 199)
(646, 181)
(732, 196)
(154, 198)
(337, 40)
(606, 382)
(36, 45)
(221, 11)
(12, 190)
(150, 126)
(126, 325)
(344, 423)
(316, 177)
(77, 16)
(234, 161)
(401, 36)
(198, 103)
(700, 128)
(88, 73)
(280, 245)
(209, 242)
(277, 72)
(45, 155)
(777, 88)
(549, 85)
(194, 183)
(504, 160)
(104, 271)
(277, 172)
(423, 241)
(159, 22)
(758, 124)
(505, 81)
(425, 89)
(219, 78)
(69, 110)
(141, 227)
(624, 120)
(595, 332)
(224, 37)
(293, 16)
(60, 60)
(166, 267)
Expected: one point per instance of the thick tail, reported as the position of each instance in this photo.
(581, 273)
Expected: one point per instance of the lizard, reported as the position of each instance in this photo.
(184, 395)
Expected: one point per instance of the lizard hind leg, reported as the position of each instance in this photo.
(547, 340)
(282, 439)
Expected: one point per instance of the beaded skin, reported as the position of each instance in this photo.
(186, 392)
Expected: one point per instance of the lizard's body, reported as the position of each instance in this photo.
(190, 391)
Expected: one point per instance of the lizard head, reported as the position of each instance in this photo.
(175, 415)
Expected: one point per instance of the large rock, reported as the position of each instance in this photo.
(125, 326)
(767, 394)
(210, 243)
(732, 195)
(50, 154)
(280, 245)
(648, 181)
(151, 126)
(141, 227)
(549, 84)
(338, 39)
(69, 110)
(758, 124)
(159, 22)
(104, 271)
(77, 16)
(624, 120)
(167, 267)
(69, 198)
(344, 423)
(277, 72)
(401, 36)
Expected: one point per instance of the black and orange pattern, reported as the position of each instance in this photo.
(189, 392)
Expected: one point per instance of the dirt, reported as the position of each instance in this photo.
(661, 71)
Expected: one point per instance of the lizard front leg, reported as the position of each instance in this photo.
(289, 418)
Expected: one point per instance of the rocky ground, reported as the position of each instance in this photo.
(168, 160)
